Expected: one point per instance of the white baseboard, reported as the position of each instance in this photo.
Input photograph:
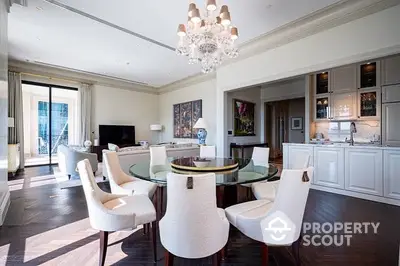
(4, 205)
(357, 195)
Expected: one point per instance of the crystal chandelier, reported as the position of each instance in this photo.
(209, 38)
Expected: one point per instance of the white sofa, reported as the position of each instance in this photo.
(132, 155)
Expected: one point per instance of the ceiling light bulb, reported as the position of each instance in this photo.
(196, 16)
(226, 18)
(211, 5)
(192, 6)
(224, 9)
(181, 30)
(234, 33)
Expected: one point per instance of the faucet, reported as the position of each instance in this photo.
(353, 130)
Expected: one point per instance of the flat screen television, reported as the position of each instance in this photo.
(119, 135)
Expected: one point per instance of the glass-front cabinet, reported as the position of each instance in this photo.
(322, 85)
(369, 103)
(369, 75)
(322, 107)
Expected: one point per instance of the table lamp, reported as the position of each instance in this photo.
(202, 132)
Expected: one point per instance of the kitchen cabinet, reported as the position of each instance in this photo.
(391, 124)
(368, 75)
(391, 173)
(322, 107)
(391, 93)
(344, 79)
(391, 70)
(369, 104)
(329, 167)
(322, 83)
(298, 151)
(363, 170)
(343, 106)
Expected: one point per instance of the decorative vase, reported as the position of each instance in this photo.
(202, 135)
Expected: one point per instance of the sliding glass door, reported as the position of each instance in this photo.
(50, 119)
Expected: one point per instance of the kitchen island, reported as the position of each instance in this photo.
(370, 172)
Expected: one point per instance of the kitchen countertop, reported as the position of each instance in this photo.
(347, 145)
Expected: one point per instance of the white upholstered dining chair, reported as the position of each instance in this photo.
(268, 190)
(207, 151)
(193, 227)
(110, 212)
(291, 200)
(123, 184)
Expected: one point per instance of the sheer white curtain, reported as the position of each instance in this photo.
(15, 110)
(85, 107)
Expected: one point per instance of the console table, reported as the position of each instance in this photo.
(99, 149)
(242, 146)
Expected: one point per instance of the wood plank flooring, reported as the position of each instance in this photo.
(49, 226)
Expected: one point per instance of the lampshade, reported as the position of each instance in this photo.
(181, 30)
(11, 122)
(196, 16)
(211, 5)
(234, 33)
(226, 18)
(192, 6)
(156, 127)
(201, 123)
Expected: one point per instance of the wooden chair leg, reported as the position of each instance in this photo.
(216, 258)
(162, 201)
(264, 254)
(154, 239)
(169, 259)
(103, 247)
(145, 229)
(296, 251)
(224, 251)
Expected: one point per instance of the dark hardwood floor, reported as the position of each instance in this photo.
(47, 225)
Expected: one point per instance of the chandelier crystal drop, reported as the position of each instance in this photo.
(208, 39)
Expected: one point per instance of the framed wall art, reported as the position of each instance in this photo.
(185, 115)
(243, 118)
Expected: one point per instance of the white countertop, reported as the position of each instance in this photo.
(345, 145)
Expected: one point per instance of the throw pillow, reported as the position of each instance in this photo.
(113, 147)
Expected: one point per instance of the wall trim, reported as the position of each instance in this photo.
(330, 17)
(69, 76)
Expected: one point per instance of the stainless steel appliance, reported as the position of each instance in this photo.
(391, 115)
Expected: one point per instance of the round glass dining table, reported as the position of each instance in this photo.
(228, 172)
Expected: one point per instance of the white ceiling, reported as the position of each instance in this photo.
(47, 33)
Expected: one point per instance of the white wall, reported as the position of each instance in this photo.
(251, 95)
(373, 36)
(4, 193)
(205, 91)
(124, 107)
(284, 90)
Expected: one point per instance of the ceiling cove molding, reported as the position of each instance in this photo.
(109, 24)
(53, 72)
(332, 16)
(192, 80)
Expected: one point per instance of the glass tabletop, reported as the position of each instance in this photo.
(245, 171)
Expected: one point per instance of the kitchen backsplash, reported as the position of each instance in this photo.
(339, 131)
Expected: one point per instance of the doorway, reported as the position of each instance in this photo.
(50, 114)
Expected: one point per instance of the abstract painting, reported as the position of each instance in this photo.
(243, 118)
(185, 117)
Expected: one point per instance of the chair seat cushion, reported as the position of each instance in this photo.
(242, 215)
(140, 205)
(265, 190)
(221, 213)
(140, 187)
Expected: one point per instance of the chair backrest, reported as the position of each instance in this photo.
(93, 193)
(292, 195)
(113, 168)
(62, 152)
(191, 225)
(260, 156)
(158, 155)
(207, 151)
(300, 161)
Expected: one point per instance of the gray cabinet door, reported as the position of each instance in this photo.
(391, 124)
(391, 93)
(344, 78)
(391, 70)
